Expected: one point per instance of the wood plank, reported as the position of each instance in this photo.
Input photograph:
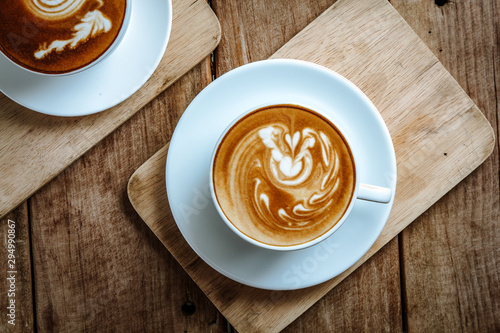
(452, 251)
(261, 28)
(98, 266)
(254, 30)
(19, 286)
(35, 147)
(367, 300)
(427, 113)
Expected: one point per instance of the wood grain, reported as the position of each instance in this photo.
(452, 251)
(35, 147)
(367, 299)
(427, 113)
(21, 290)
(449, 267)
(254, 31)
(98, 267)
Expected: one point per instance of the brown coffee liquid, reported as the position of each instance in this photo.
(284, 175)
(58, 38)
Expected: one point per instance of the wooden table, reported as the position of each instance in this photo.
(86, 261)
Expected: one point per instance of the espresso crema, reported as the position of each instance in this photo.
(59, 36)
(283, 175)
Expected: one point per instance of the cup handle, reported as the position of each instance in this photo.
(374, 193)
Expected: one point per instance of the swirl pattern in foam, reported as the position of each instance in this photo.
(54, 9)
(284, 175)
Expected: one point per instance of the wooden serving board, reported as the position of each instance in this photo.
(439, 135)
(34, 148)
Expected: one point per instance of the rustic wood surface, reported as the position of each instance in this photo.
(439, 135)
(18, 287)
(34, 148)
(450, 255)
(97, 267)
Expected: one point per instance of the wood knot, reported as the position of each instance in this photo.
(188, 308)
(440, 3)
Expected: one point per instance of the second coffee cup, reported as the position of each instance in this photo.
(61, 37)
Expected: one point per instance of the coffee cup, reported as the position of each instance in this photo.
(285, 177)
(57, 38)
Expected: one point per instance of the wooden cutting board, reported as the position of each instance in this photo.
(34, 148)
(439, 135)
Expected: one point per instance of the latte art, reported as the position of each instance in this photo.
(283, 175)
(59, 36)
(92, 24)
(289, 162)
(53, 9)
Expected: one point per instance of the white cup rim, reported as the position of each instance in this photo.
(108, 52)
(313, 241)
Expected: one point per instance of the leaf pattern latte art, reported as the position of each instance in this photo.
(301, 168)
(92, 24)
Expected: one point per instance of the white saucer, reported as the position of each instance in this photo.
(104, 85)
(188, 161)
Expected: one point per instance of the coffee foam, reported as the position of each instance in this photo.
(283, 175)
(54, 9)
(92, 24)
(59, 35)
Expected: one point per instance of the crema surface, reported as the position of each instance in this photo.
(58, 36)
(284, 175)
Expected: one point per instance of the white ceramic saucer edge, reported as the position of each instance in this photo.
(98, 81)
(306, 283)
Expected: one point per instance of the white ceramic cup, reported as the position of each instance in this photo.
(362, 191)
(108, 52)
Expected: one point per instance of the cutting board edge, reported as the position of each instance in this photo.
(44, 182)
(477, 109)
(135, 179)
(487, 136)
